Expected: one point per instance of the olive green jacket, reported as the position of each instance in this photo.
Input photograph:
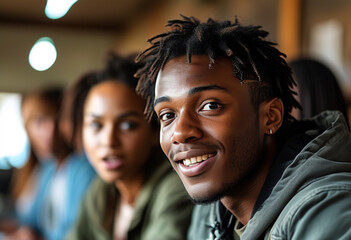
(309, 199)
(162, 211)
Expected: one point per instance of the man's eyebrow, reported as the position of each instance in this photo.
(191, 92)
(161, 99)
(206, 88)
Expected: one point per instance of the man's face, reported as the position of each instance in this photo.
(210, 130)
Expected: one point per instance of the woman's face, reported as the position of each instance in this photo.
(116, 137)
(40, 125)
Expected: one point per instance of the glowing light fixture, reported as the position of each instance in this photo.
(56, 9)
(43, 54)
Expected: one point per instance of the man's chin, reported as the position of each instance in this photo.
(204, 196)
(206, 199)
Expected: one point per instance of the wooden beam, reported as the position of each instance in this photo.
(289, 18)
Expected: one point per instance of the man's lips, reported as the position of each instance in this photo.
(196, 165)
(191, 153)
(194, 160)
(193, 156)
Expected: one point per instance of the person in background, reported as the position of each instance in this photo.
(317, 87)
(5, 196)
(136, 195)
(223, 95)
(49, 188)
(70, 115)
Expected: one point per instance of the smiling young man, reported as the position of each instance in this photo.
(223, 96)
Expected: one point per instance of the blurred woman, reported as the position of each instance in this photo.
(48, 189)
(137, 195)
(317, 87)
(70, 120)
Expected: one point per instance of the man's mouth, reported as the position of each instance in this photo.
(195, 160)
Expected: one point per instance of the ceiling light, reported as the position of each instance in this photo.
(43, 54)
(56, 9)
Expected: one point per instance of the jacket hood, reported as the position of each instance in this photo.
(322, 156)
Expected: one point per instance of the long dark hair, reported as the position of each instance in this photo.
(318, 88)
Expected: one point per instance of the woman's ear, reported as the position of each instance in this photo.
(272, 113)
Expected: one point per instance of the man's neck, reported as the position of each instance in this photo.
(241, 206)
(242, 202)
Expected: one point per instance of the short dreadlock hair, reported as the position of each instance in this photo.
(252, 58)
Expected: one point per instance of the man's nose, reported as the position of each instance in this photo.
(187, 128)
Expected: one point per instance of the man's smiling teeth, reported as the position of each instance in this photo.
(195, 160)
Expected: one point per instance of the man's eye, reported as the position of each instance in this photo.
(166, 116)
(211, 106)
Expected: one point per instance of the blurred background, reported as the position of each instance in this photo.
(77, 37)
(90, 28)
(314, 28)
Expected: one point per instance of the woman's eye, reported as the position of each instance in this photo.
(95, 125)
(211, 106)
(128, 125)
(166, 116)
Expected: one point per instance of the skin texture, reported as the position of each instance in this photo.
(114, 128)
(208, 112)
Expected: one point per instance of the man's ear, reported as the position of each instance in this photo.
(272, 113)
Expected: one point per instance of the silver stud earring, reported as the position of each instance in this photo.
(270, 131)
